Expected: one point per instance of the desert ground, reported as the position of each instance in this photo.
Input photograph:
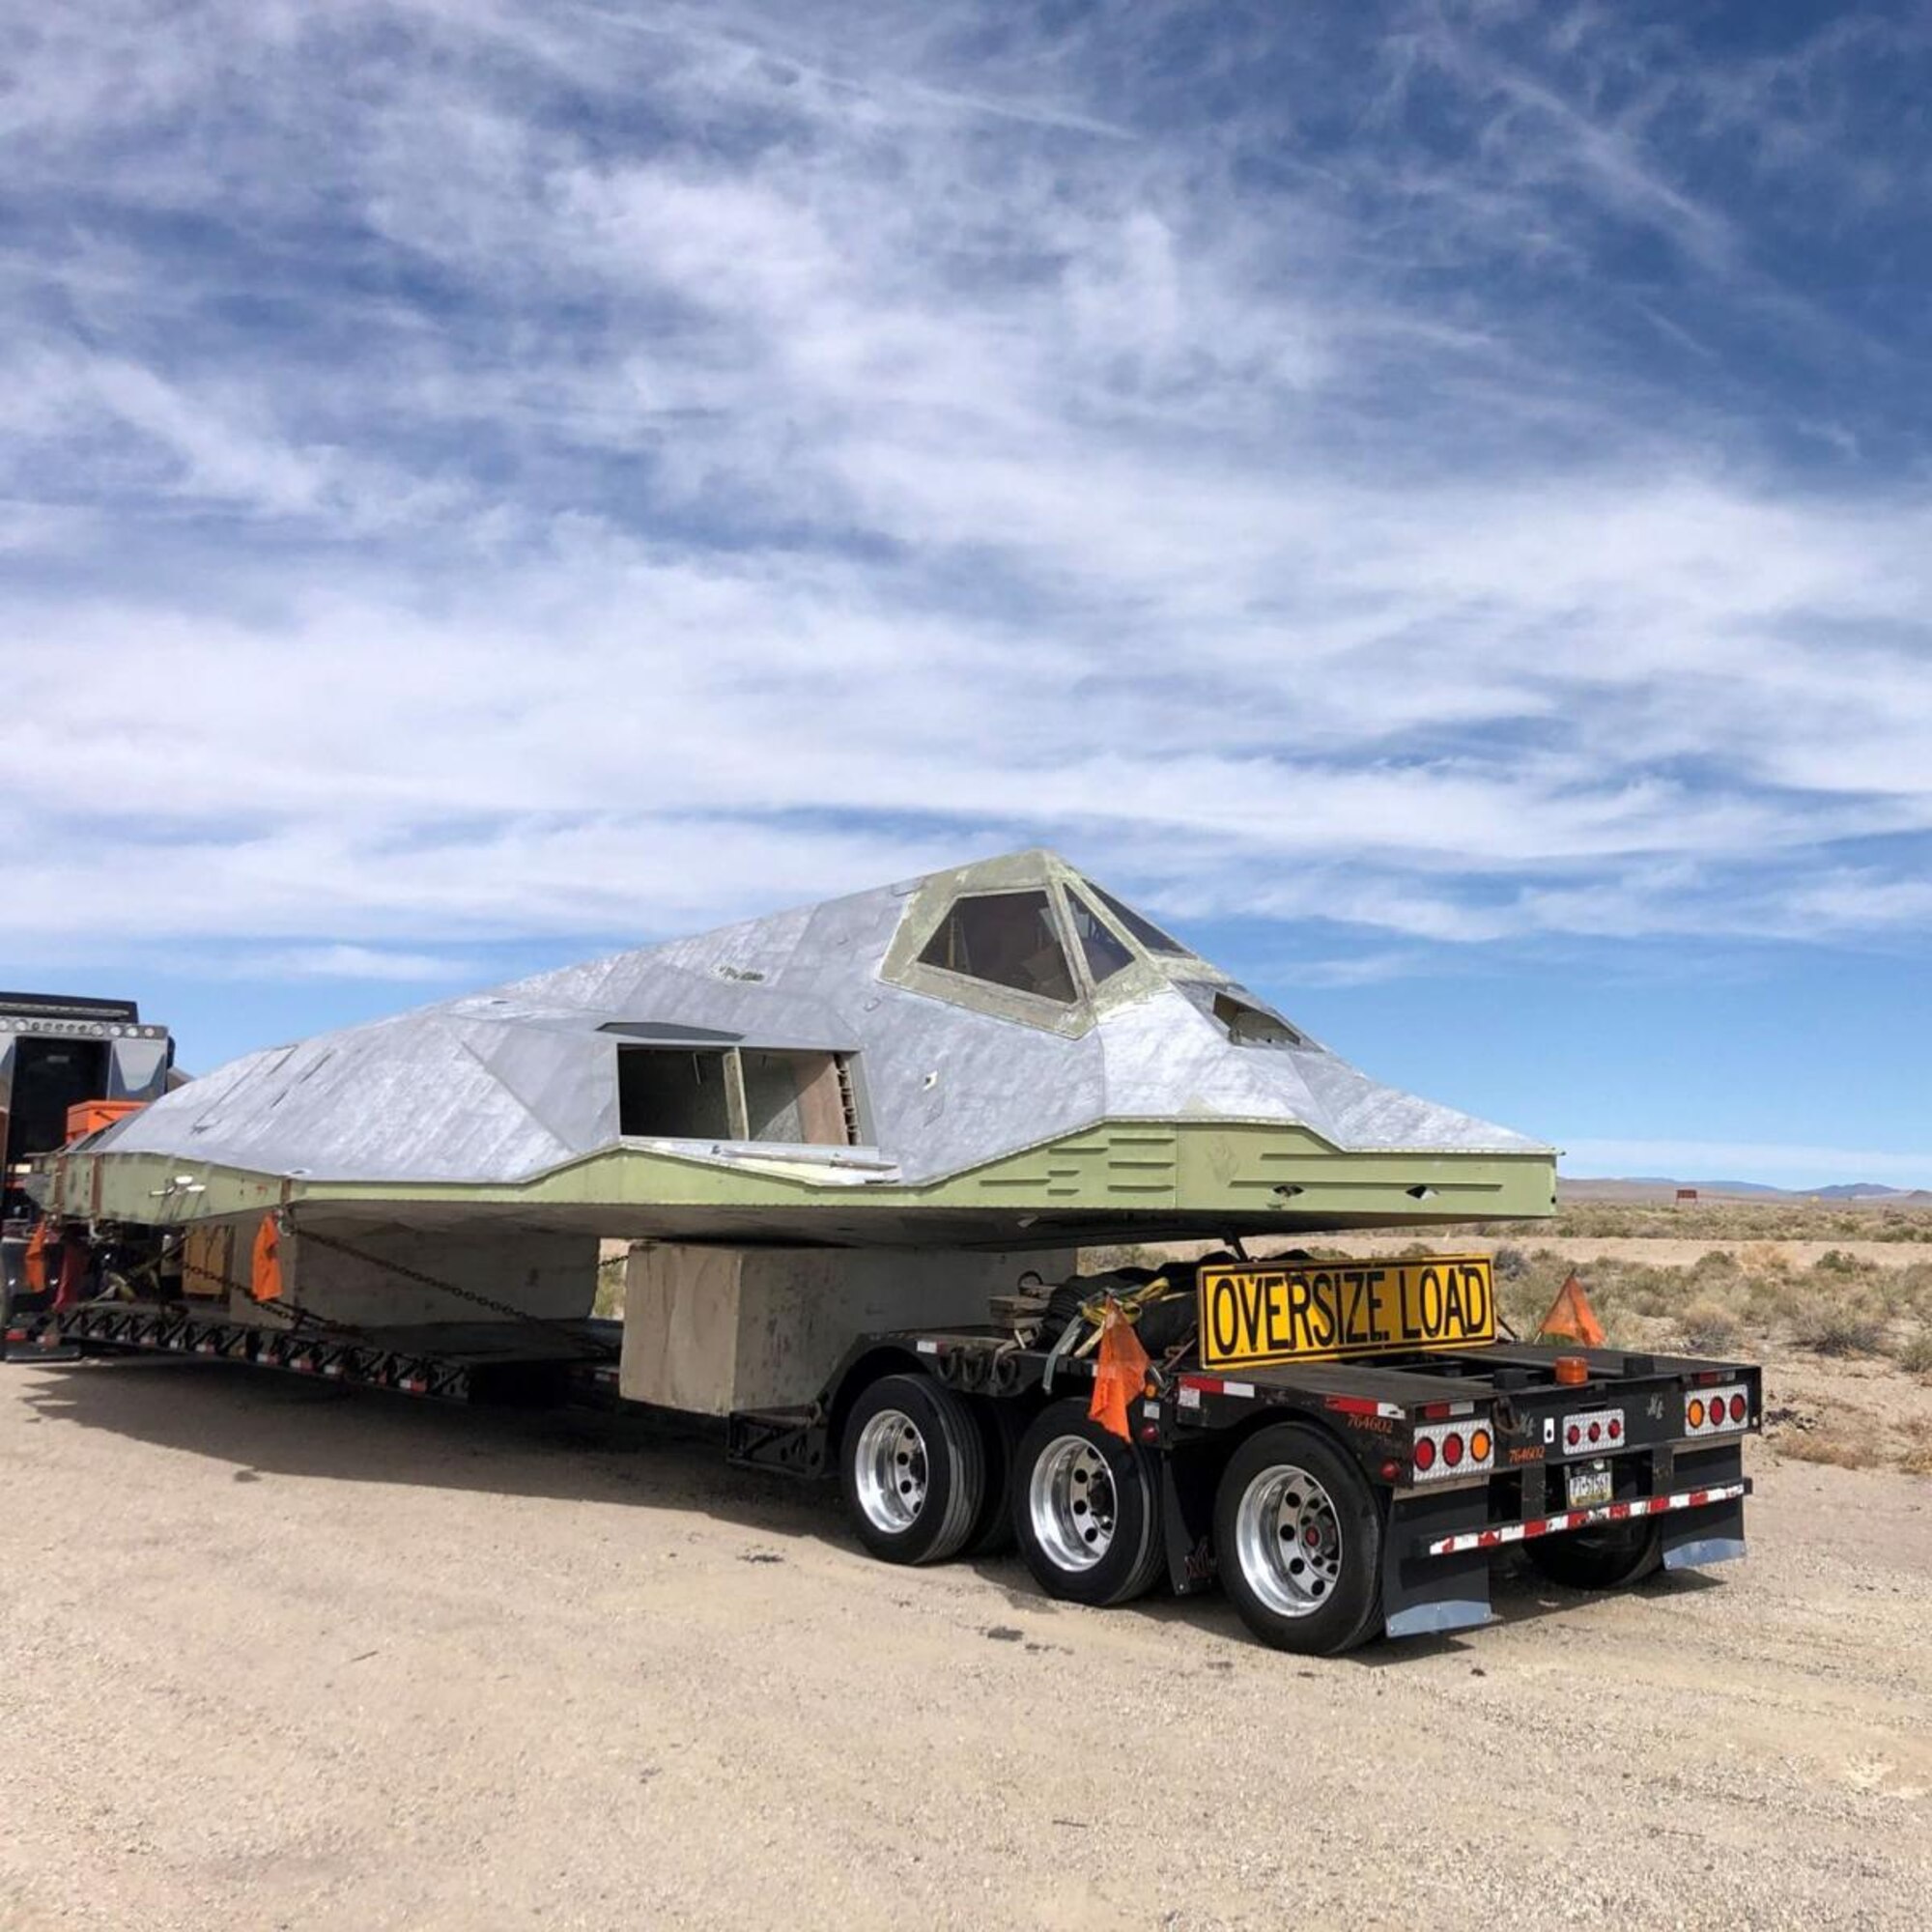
(280, 1655)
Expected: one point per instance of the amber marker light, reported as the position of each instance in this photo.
(1572, 1370)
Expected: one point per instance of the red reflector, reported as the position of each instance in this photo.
(1616, 1429)
(1207, 1384)
(17, 1335)
(1437, 1411)
(1738, 1409)
(1351, 1405)
(1425, 1454)
(1576, 1436)
(1596, 1431)
(1452, 1450)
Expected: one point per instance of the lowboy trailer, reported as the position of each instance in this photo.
(1344, 1446)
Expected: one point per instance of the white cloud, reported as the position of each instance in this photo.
(340, 962)
(673, 463)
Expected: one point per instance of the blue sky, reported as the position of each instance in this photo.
(1432, 500)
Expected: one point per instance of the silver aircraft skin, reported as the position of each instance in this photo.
(936, 1058)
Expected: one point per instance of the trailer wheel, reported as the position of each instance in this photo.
(912, 1469)
(1086, 1509)
(1609, 1558)
(1298, 1542)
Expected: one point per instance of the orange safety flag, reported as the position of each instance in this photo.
(266, 1281)
(1119, 1374)
(34, 1263)
(1571, 1318)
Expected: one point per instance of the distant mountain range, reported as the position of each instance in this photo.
(1658, 1187)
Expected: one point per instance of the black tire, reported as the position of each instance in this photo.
(1611, 1557)
(1002, 1424)
(1307, 1576)
(913, 1489)
(1062, 1462)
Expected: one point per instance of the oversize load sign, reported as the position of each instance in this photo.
(1316, 1311)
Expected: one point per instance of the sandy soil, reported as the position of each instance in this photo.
(271, 1655)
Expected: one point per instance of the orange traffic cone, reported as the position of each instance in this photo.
(1571, 1318)
(1120, 1373)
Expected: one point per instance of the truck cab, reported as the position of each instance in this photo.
(67, 1064)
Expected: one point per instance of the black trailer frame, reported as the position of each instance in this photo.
(1444, 1524)
(478, 1361)
(1442, 1528)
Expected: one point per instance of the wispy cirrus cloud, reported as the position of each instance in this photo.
(604, 469)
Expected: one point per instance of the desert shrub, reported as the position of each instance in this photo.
(1708, 1328)
(1914, 1353)
(1643, 1291)
(1770, 1298)
(1840, 1327)
(1912, 1288)
(610, 1298)
(1846, 1446)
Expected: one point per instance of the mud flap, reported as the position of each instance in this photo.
(1187, 1518)
(1694, 1539)
(1423, 1595)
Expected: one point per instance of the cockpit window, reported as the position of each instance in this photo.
(1145, 931)
(1005, 938)
(1104, 954)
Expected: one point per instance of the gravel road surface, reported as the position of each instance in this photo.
(278, 1656)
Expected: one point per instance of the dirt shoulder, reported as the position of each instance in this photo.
(276, 1655)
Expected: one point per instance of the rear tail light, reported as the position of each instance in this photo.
(1586, 1434)
(1443, 1449)
(1724, 1409)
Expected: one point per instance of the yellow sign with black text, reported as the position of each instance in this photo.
(1256, 1313)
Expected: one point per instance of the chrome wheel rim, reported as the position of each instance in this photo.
(1071, 1503)
(892, 1469)
(1288, 1540)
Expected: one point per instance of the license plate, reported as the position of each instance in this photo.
(1589, 1485)
(1262, 1312)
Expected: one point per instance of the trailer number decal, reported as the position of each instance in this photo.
(1309, 1312)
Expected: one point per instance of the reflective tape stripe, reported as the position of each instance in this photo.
(1212, 1385)
(1522, 1532)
